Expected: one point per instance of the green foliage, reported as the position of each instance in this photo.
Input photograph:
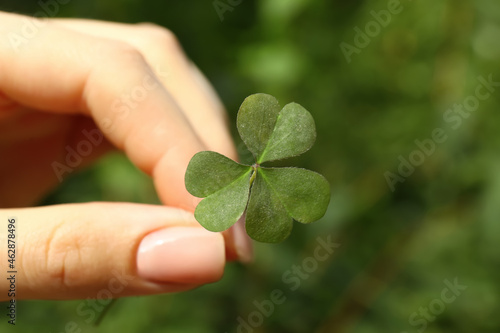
(274, 196)
(281, 195)
(224, 183)
(396, 247)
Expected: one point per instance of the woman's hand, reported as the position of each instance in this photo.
(72, 90)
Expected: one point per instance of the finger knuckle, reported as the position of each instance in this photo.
(117, 57)
(63, 253)
(123, 52)
(157, 35)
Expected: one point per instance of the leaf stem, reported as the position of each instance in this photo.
(104, 312)
(254, 174)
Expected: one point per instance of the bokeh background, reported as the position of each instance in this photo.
(396, 248)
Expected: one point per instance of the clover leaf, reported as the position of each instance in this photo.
(270, 197)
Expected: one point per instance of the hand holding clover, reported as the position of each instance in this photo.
(271, 197)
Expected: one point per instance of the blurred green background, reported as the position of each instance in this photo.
(396, 247)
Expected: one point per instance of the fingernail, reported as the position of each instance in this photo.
(181, 255)
(242, 242)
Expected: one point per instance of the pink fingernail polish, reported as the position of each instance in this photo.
(181, 255)
(242, 241)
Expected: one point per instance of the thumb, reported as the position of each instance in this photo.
(104, 250)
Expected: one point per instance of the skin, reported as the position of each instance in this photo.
(67, 78)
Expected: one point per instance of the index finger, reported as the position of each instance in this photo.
(64, 71)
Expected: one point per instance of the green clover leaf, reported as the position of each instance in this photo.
(271, 197)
